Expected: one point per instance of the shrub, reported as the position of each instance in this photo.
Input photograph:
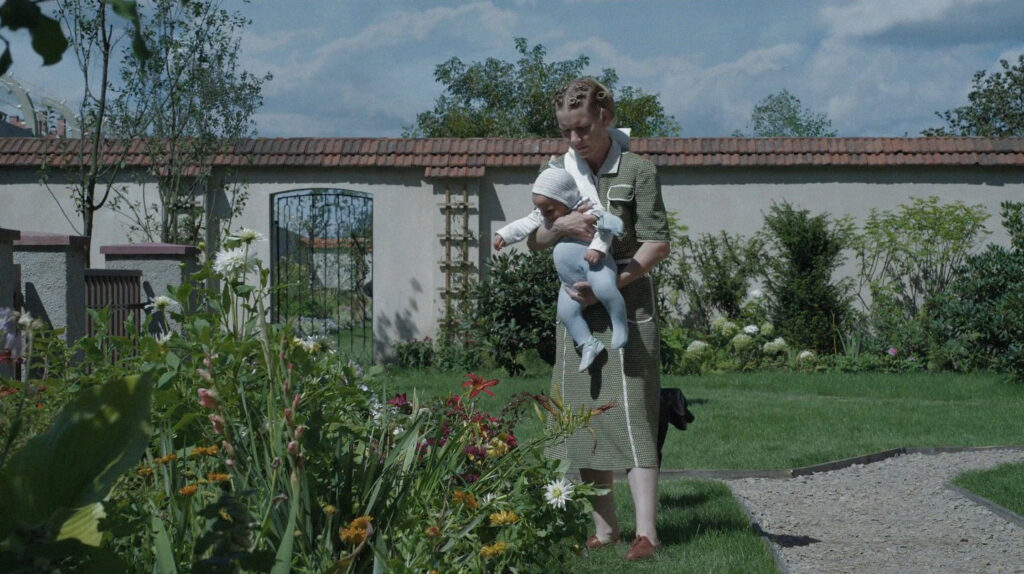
(414, 353)
(713, 273)
(806, 305)
(979, 319)
(516, 307)
(907, 257)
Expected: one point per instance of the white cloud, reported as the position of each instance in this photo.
(858, 18)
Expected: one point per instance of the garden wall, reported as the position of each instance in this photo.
(702, 180)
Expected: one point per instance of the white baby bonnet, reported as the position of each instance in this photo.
(557, 184)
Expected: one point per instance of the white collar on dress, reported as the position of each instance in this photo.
(580, 169)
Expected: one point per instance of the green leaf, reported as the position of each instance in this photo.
(17, 14)
(162, 548)
(94, 439)
(84, 525)
(48, 40)
(5, 61)
(283, 559)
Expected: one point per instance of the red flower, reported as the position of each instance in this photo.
(478, 384)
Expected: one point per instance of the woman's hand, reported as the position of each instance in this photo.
(582, 293)
(499, 242)
(576, 225)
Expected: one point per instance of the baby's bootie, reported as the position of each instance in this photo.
(591, 349)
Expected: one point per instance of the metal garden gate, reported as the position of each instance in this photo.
(322, 266)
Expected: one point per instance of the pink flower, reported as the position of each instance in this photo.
(288, 414)
(892, 351)
(299, 431)
(293, 447)
(218, 423)
(208, 398)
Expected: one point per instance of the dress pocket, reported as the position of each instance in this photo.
(620, 192)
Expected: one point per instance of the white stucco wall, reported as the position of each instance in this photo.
(408, 217)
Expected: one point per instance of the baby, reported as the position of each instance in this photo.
(554, 195)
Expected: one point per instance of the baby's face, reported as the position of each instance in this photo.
(549, 208)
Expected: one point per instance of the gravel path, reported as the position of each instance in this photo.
(895, 516)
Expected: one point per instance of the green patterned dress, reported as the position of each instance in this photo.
(629, 378)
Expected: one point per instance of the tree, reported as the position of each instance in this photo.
(94, 172)
(189, 100)
(495, 98)
(996, 107)
(782, 115)
(48, 39)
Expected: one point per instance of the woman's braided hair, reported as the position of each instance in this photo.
(585, 91)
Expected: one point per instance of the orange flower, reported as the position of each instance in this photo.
(145, 471)
(478, 385)
(205, 450)
(432, 531)
(188, 490)
(166, 459)
(358, 530)
(218, 477)
(466, 498)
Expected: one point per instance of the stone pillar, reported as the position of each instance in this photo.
(162, 265)
(53, 279)
(9, 282)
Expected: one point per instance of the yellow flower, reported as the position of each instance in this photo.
(329, 509)
(225, 515)
(493, 549)
(188, 490)
(432, 531)
(497, 447)
(466, 498)
(218, 477)
(504, 517)
(205, 450)
(166, 459)
(145, 471)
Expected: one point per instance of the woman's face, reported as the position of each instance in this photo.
(586, 133)
(549, 208)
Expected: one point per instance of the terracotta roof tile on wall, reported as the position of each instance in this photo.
(469, 157)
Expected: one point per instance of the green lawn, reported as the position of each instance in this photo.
(1003, 485)
(702, 530)
(783, 420)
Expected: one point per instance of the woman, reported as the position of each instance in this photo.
(627, 185)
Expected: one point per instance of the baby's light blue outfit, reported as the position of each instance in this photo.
(558, 184)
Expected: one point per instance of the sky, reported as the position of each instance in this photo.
(364, 68)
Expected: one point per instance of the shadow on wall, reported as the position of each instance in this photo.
(34, 304)
(399, 327)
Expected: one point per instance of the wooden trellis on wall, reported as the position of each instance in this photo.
(457, 264)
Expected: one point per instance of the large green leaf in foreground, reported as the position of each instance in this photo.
(94, 439)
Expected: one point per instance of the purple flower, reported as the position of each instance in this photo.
(892, 351)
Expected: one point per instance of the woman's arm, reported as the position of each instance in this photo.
(573, 224)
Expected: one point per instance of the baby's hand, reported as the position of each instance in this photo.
(499, 243)
(593, 256)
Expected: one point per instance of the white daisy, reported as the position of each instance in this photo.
(558, 492)
(247, 236)
(164, 303)
(231, 262)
